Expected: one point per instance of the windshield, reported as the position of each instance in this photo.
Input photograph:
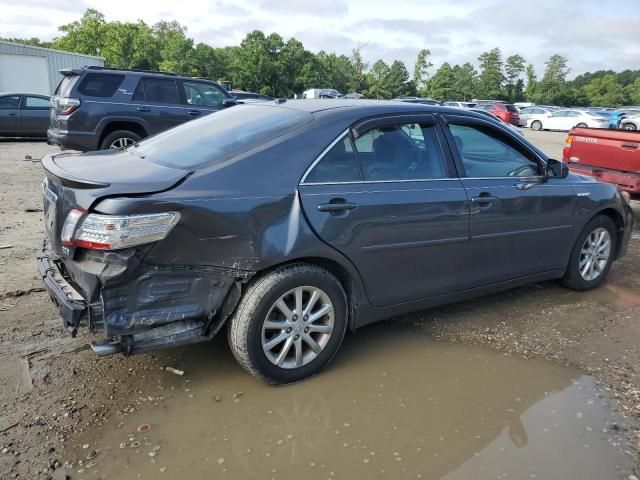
(220, 136)
(511, 108)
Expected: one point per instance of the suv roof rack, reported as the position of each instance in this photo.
(96, 67)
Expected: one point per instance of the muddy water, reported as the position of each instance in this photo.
(393, 405)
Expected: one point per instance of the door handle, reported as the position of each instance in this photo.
(630, 145)
(484, 199)
(143, 109)
(194, 112)
(12, 114)
(336, 206)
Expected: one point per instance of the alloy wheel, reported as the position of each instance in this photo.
(122, 142)
(594, 254)
(297, 327)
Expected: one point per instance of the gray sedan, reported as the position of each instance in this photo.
(24, 115)
(288, 223)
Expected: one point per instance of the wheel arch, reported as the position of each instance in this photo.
(342, 274)
(618, 220)
(111, 125)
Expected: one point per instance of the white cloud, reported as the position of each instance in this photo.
(592, 34)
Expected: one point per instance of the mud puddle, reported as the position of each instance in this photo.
(394, 404)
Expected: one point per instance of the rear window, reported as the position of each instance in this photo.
(100, 84)
(158, 90)
(220, 136)
(511, 108)
(66, 84)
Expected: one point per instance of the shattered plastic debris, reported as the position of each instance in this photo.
(144, 428)
(174, 371)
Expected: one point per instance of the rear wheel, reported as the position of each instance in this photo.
(629, 126)
(536, 125)
(289, 323)
(119, 139)
(592, 255)
(582, 125)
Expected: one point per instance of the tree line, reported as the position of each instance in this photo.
(270, 65)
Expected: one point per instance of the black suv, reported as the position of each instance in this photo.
(99, 108)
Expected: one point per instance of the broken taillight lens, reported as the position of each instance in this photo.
(113, 232)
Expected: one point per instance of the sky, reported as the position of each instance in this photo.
(592, 34)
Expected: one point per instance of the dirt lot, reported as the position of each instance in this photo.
(57, 397)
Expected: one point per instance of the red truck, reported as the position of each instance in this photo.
(611, 156)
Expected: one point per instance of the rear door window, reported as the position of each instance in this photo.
(10, 102)
(100, 84)
(36, 103)
(157, 90)
(203, 94)
(338, 165)
(408, 151)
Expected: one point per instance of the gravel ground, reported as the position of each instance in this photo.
(54, 391)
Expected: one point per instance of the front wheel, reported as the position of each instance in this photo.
(582, 125)
(592, 255)
(289, 323)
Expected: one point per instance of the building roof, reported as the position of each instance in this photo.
(52, 50)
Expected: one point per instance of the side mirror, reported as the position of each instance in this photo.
(557, 169)
(229, 102)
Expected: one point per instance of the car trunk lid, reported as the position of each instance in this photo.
(77, 181)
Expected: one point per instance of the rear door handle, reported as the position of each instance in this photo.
(336, 206)
(143, 109)
(194, 112)
(484, 199)
(630, 145)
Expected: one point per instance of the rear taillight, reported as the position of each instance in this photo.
(568, 141)
(66, 106)
(113, 232)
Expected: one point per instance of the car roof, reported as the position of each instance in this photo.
(363, 107)
(13, 94)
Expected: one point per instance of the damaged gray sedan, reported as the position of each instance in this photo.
(287, 223)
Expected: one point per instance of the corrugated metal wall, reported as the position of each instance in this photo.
(56, 59)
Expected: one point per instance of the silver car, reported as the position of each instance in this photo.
(529, 114)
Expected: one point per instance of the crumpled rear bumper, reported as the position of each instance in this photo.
(142, 307)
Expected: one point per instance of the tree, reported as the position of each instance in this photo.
(421, 70)
(514, 68)
(130, 45)
(398, 80)
(441, 86)
(532, 82)
(84, 36)
(464, 82)
(358, 81)
(491, 77)
(606, 92)
(552, 88)
(632, 92)
(377, 80)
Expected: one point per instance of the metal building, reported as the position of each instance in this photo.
(35, 69)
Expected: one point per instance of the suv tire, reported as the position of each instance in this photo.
(119, 139)
(589, 241)
(269, 311)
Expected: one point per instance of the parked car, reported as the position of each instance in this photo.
(354, 95)
(630, 122)
(497, 119)
(609, 156)
(567, 119)
(330, 93)
(320, 217)
(532, 117)
(423, 101)
(521, 105)
(613, 117)
(504, 111)
(459, 104)
(240, 95)
(99, 108)
(24, 115)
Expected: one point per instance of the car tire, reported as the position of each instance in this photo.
(582, 125)
(536, 125)
(125, 138)
(259, 321)
(587, 241)
(629, 126)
